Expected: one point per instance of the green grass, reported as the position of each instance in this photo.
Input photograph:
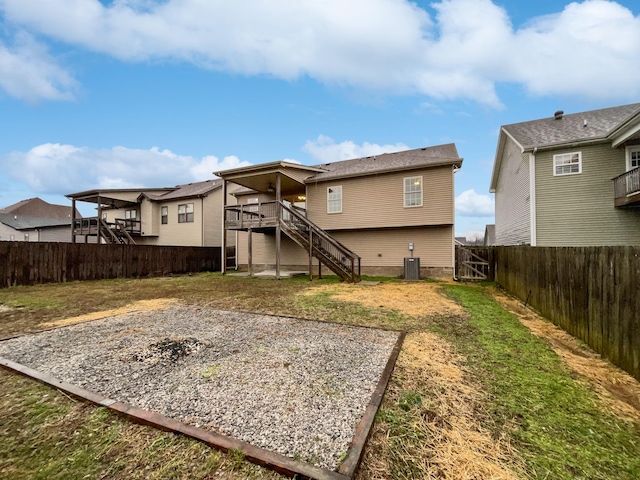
(557, 424)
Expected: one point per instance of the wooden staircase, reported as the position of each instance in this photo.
(115, 233)
(340, 260)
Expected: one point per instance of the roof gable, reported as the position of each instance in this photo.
(36, 207)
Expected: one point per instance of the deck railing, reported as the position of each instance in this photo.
(252, 215)
(119, 231)
(626, 184)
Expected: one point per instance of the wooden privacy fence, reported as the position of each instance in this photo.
(475, 263)
(591, 292)
(28, 263)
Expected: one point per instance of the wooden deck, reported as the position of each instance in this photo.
(121, 231)
(626, 189)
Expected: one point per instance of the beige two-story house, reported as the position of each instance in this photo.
(186, 215)
(569, 180)
(359, 216)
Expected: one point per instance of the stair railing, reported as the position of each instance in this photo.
(344, 262)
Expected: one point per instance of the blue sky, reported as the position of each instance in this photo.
(144, 93)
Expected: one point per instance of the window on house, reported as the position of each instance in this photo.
(633, 157)
(567, 163)
(413, 192)
(12, 237)
(164, 213)
(26, 237)
(334, 199)
(185, 213)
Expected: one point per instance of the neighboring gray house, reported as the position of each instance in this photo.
(569, 180)
(34, 220)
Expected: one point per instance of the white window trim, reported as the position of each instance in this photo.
(404, 191)
(628, 150)
(336, 187)
(563, 155)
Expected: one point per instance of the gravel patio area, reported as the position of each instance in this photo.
(291, 386)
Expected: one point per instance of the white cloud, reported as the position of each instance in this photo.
(61, 169)
(454, 49)
(326, 150)
(28, 72)
(472, 204)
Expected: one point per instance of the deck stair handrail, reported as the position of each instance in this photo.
(115, 232)
(340, 259)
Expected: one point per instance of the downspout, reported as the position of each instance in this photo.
(202, 222)
(532, 197)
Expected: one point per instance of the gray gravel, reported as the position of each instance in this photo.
(291, 386)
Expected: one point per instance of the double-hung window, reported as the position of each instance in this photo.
(334, 199)
(413, 191)
(567, 164)
(185, 213)
(633, 157)
(164, 215)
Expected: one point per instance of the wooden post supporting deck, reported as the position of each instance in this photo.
(250, 251)
(73, 220)
(310, 255)
(223, 263)
(278, 215)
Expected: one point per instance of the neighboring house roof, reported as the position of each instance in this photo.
(612, 125)
(409, 159)
(572, 128)
(461, 240)
(36, 207)
(490, 234)
(24, 222)
(187, 190)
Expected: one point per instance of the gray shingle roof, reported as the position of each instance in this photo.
(188, 190)
(22, 222)
(408, 159)
(571, 128)
(36, 207)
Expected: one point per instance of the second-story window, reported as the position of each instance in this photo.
(185, 213)
(164, 214)
(567, 164)
(334, 199)
(413, 192)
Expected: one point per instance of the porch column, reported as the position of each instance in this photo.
(310, 255)
(250, 251)
(99, 222)
(278, 217)
(223, 254)
(73, 220)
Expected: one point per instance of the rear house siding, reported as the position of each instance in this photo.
(513, 217)
(588, 216)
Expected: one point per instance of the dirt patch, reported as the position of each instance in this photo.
(139, 306)
(455, 445)
(415, 299)
(4, 308)
(617, 389)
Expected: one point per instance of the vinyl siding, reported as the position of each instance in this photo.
(174, 233)
(6, 232)
(377, 201)
(56, 234)
(578, 210)
(377, 248)
(513, 216)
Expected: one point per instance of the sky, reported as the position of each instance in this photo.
(155, 93)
